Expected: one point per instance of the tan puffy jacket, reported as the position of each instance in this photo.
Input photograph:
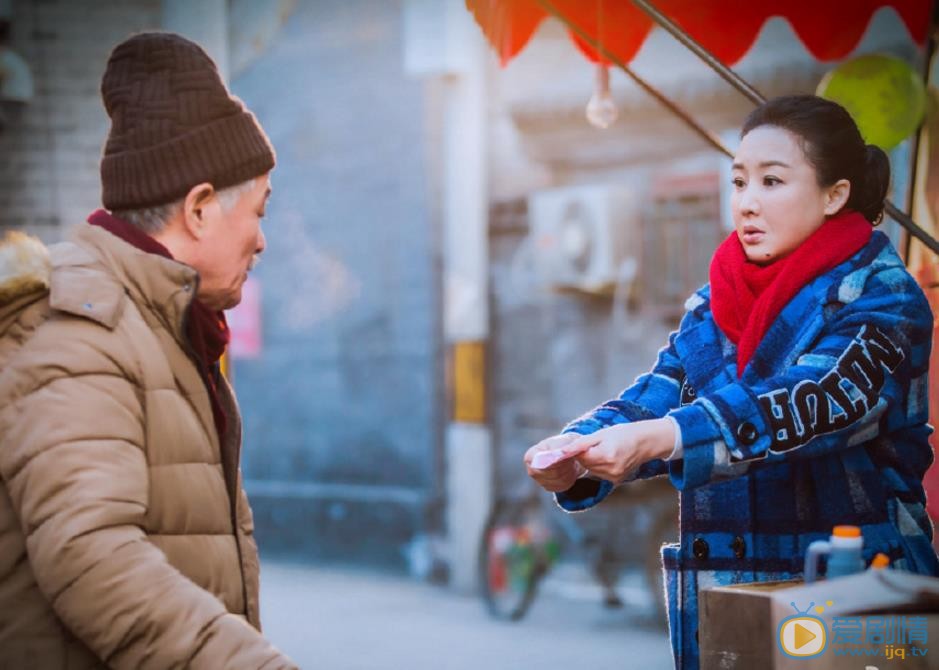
(125, 535)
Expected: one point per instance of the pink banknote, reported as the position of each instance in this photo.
(546, 459)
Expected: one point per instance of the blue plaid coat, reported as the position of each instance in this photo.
(827, 426)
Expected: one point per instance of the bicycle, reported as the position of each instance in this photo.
(524, 537)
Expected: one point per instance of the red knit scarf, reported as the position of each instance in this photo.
(746, 298)
(207, 330)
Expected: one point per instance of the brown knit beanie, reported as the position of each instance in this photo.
(173, 125)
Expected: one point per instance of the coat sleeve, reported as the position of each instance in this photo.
(651, 396)
(865, 374)
(72, 458)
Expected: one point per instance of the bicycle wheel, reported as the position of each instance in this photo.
(512, 558)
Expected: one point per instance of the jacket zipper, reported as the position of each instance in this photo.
(231, 478)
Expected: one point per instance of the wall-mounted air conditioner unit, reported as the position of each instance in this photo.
(585, 237)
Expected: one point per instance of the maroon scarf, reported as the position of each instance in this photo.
(746, 298)
(207, 330)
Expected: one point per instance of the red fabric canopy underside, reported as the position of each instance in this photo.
(726, 28)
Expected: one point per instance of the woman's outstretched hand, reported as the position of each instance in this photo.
(610, 453)
(561, 475)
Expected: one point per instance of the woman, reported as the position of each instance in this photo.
(793, 397)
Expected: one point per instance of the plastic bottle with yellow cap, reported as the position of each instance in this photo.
(843, 549)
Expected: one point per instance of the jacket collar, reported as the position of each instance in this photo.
(91, 276)
(801, 320)
(709, 359)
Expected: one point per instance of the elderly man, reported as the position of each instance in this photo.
(125, 535)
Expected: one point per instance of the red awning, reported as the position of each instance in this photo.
(726, 28)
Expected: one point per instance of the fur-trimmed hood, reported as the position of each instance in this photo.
(25, 266)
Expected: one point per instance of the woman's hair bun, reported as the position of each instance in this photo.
(869, 190)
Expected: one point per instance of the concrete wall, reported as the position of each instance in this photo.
(343, 408)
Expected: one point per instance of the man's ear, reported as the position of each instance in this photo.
(837, 196)
(195, 203)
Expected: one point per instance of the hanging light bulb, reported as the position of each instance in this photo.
(601, 110)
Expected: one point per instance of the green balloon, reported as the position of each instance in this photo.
(884, 94)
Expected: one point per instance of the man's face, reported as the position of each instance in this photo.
(231, 240)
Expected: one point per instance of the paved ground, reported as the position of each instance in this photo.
(343, 619)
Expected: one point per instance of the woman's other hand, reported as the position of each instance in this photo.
(617, 451)
(562, 475)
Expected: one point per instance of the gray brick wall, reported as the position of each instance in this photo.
(49, 155)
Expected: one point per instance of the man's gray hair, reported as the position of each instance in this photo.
(153, 220)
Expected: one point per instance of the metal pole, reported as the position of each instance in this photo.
(729, 75)
(757, 98)
(679, 34)
(703, 132)
(907, 222)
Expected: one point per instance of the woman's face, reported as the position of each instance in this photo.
(777, 202)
